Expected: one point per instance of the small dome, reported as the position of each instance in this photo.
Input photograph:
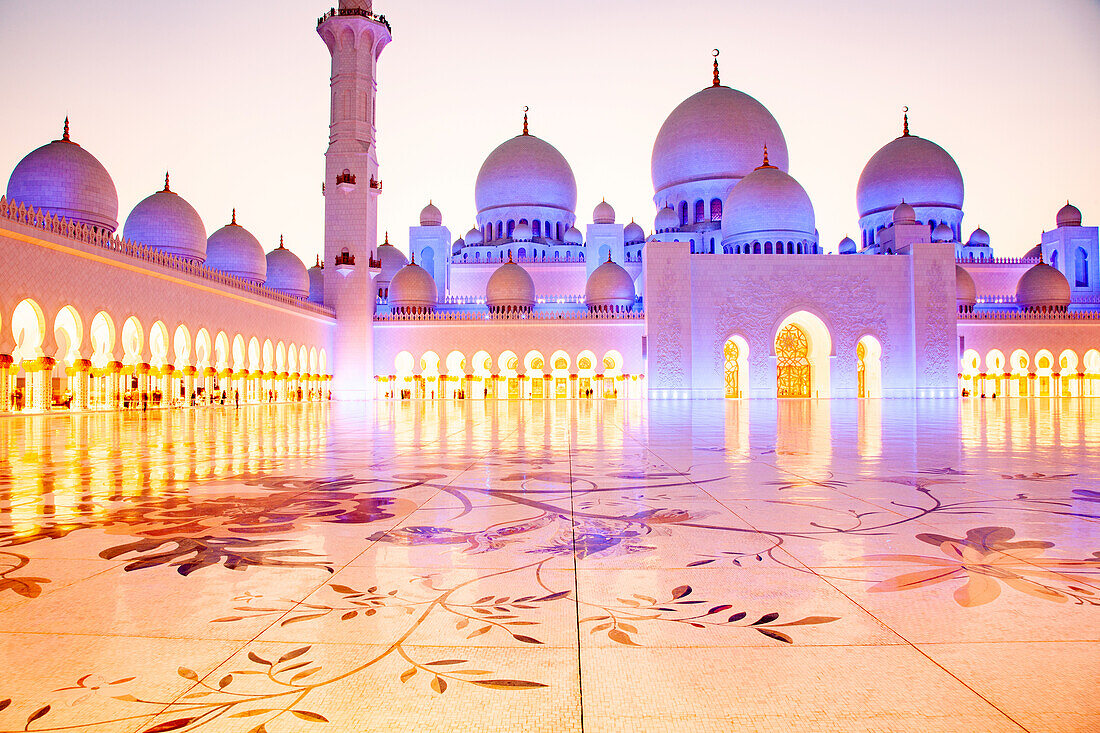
(317, 283)
(457, 246)
(1035, 253)
(666, 220)
(966, 294)
(847, 246)
(431, 216)
(633, 234)
(393, 260)
(904, 214)
(510, 286)
(912, 169)
(412, 287)
(234, 251)
(474, 237)
(166, 222)
(609, 285)
(522, 232)
(943, 233)
(1042, 288)
(603, 213)
(767, 200)
(67, 181)
(573, 236)
(716, 133)
(525, 171)
(979, 238)
(1068, 216)
(286, 273)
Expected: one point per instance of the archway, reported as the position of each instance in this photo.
(586, 372)
(971, 365)
(533, 366)
(483, 370)
(28, 328)
(612, 374)
(802, 349)
(559, 363)
(1067, 374)
(869, 367)
(403, 373)
(1091, 387)
(428, 382)
(1019, 363)
(735, 357)
(1044, 373)
(456, 375)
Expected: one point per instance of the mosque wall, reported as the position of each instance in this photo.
(552, 280)
(905, 304)
(57, 271)
(999, 279)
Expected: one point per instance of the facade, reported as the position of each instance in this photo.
(730, 295)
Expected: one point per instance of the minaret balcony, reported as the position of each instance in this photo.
(345, 181)
(345, 263)
(352, 12)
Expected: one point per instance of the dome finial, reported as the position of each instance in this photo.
(765, 164)
(525, 110)
(413, 256)
(905, 122)
(281, 242)
(608, 256)
(717, 80)
(1040, 255)
(166, 188)
(387, 240)
(318, 261)
(509, 255)
(65, 134)
(233, 221)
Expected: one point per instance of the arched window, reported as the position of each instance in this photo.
(560, 232)
(767, 248)
(756, 248)
(511, 227)
(716, 209)
(699, 211)
(683, 213)
(536, 228)
(522, 253)
(1054, 259)
(1081, 267)
(712, 245)
(500, 229)
(477, 257)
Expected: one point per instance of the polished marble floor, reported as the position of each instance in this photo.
(561, 566)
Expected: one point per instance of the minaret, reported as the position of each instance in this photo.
(355, 37)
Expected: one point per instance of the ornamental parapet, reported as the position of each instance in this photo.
(519, 316)
(95, 237)
(360, 12)
(1033, 316)
(998, 261)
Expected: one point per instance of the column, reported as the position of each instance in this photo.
(80, 375)
(5, 382)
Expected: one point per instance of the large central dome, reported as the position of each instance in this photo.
(525, 171)
(717, 133)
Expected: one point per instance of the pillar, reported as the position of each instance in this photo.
(80, 375)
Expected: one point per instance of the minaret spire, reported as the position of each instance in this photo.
(525, 109)
(905, 122)
(281, 242)
(717, 80)
(166, 188)
(233, 221)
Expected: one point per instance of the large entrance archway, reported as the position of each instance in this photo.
(792, 351)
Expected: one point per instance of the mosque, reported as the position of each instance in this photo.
(729, 294)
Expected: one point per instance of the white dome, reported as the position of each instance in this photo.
(525, 171)
(286, 273)
(714, 134)
(522, 232)
(847, 246)
(573, 236)
(909, 169)
(316, 283)
(1068, 216)
(164, 221)
(510, 286)
(67, 181)
(666, 220)
(1042, 287)
(393, 260)
(457, 246)
(979, 238)
(603, 213)
(633, 233)
(474, 236)
(609, 285)
(767, 200)
(904, 214)
(431, 216)
(966, 294)
(234, 251)
(412, 287)
(943, 233)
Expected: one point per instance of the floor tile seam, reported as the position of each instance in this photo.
(256, 636)
(576, 582)
(918, 650)
(114, 565)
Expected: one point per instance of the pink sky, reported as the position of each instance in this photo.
(233, 98)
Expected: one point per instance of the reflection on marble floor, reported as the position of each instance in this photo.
(603, 566)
